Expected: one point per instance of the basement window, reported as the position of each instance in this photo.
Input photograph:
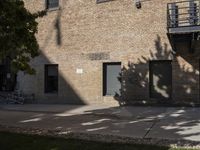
(51, 78)
(52, 4)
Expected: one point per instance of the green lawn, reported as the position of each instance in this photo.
(12, 141)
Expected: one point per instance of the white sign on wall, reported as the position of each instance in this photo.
(79, 70)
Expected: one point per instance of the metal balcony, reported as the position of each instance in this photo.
(183, 17)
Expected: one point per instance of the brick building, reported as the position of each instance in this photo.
(111, 52)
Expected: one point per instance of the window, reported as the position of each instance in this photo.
(111, 76)
(160, 79)
(50, 4)
(51, 78)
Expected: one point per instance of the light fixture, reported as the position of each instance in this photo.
(138, 4)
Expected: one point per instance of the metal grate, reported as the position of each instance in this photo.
(183, 14)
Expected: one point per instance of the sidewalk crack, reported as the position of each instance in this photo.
(153, 124)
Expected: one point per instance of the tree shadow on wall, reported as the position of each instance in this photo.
(66, 94)
(138, 84)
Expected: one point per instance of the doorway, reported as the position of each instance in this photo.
(160, 79)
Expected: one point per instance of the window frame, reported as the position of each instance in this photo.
(102, 1)
(52, 8)
(104, 72)
(46, 90)
(151, 81)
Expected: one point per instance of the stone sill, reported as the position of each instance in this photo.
(53, 9)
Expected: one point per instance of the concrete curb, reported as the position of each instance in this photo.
(107, 138)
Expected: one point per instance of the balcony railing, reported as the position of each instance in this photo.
(183, 17)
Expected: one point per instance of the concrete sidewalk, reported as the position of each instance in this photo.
(46, 108)
(179, 124)
(121, 112)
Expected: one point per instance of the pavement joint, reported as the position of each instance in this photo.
(153, 124)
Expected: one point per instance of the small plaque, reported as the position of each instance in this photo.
(79, 70)
(99, 56)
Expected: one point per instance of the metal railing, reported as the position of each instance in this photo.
(183, 14)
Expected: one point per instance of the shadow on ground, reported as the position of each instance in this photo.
(173, 124)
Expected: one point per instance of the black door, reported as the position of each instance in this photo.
(160, 79)
(2, 78)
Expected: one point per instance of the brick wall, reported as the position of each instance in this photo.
(83, 34)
